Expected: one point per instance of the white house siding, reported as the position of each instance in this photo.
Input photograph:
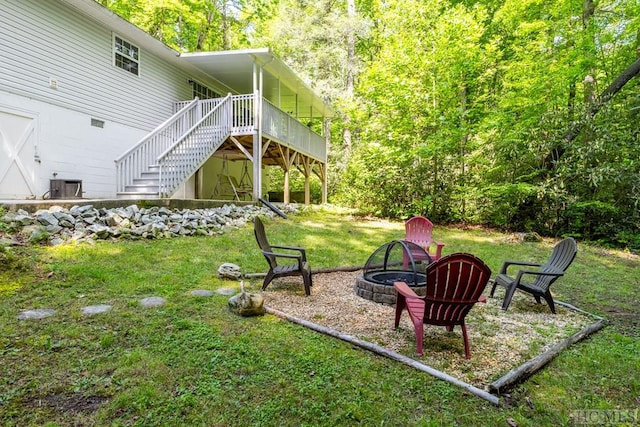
(66, 147)
(42, 40)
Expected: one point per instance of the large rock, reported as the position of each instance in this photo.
(229, 271)
(246, 304)
(46, 218)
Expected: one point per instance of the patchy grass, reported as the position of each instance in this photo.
(192, 362)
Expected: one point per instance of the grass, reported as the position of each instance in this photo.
(191, 362)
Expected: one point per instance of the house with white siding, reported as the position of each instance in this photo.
(91, 106)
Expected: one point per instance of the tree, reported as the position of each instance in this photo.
(185, 25)
(320, 41)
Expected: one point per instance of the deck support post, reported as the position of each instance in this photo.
(257, 134)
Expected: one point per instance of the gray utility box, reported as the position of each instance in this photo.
(65, 189)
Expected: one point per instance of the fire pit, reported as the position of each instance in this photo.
(392, 262)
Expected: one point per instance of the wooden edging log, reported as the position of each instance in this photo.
(314, 271)
(388, 353)
(529, 368)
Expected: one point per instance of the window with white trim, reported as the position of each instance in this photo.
(203, 92)
(126, 55)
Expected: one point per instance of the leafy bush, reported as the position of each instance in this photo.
(591, 220)
(510, 207)
(4, 227)
(9, 260)
(603, 222)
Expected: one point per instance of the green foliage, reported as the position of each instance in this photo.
(604, 222)
(475, 103)
(4, 227)
(187, 26)
(8, 260)
(514, 207)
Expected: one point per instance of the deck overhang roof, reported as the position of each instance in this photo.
(280, 85)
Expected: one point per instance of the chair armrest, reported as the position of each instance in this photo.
(282, 255)
(293, 248)
(404, 289)
(439, 246)
(536, 273)
(299, 258)
(506, 264)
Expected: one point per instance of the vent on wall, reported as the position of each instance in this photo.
(97, 123)
(65, 189)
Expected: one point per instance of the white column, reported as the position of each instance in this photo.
(257, 134)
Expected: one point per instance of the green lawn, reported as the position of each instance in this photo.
(192, 362)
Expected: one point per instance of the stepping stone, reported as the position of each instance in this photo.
(39, 313)
(227, 291)
(153, 302)
(201, 293)
(95, 309)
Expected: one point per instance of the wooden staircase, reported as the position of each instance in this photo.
(145, 187)
(156, 166)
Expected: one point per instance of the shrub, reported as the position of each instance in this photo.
(510, 207)
(592, 220)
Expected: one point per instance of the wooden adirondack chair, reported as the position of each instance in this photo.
(544, 274)
(454, 284)
(418, 230)
(300, 266)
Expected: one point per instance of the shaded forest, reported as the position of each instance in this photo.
(518, 114)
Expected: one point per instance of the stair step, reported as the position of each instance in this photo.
(125, 195)
(146, 181)
(149, 176)
(141, 188)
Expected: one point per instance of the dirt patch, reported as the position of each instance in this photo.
(499, 341)
(73, 403)
(624, 322)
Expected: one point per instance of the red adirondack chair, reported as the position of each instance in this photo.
(454, 284)
(418, 230)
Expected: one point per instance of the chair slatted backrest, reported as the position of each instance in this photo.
(454, 284)
(418, 230)
(561, 258)
(261, 238)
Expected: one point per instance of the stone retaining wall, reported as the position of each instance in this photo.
(57, 224)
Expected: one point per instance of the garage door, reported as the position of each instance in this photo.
(18, 138)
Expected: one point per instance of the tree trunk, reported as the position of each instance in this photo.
(576, 127)
(350, 80)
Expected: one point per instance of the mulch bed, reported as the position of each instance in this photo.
(499, 340)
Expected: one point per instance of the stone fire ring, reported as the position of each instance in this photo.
(381, 293)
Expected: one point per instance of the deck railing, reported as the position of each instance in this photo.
(195, 146)
(280, 126)
(243, 123)
(138, 158)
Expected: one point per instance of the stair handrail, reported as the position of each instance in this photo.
(160, 128)
(176, 167)
(137, 159)
(194, 127)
